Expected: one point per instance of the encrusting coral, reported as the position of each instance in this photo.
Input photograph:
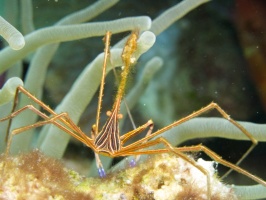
(164, 176)
(35, 176)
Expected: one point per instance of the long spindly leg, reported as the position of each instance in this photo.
(149, 132)
(15, 103)
(99, 164)
(65, 120)
(35, 125)
(124, 138)
(15, 113)
(133, 150)
(32, 97)
(242, 129)
(107, 40)
(140, 150)
(36, 100)
(196, 114)
(134, 132)
(62, 121)
(217, 158)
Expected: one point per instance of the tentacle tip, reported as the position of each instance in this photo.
(101, 172)
(16, 41)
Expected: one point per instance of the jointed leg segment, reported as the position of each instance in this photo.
(99, 164)
(196, 114)
(68, 128)
(141, 149)
(62, 121)
(134, 132)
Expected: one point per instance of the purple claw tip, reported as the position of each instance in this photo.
(101, 172)
(132, 163)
